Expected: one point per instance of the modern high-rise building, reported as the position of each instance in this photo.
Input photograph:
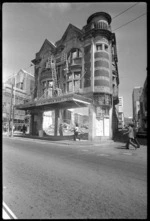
(79, 70)
(137, 91)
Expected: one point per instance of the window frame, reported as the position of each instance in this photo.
(106, 47)
(99, 45)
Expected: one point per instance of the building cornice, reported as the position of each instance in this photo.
(96, 32)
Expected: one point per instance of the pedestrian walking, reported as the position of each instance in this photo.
(135, 136)
(61, 130)
(76, 132)
(131, 137)
(24, 129)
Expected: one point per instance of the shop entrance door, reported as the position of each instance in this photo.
(102, 126)
(106, 126)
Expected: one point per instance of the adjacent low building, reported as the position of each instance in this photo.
(19, 93)
(120, 113)
(143, 107)
(137, 91)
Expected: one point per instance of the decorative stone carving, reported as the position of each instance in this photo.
(103, 99)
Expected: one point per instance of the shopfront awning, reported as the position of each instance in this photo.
(66, 101)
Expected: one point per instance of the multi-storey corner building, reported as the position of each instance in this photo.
(137, 91)
(23, 85)
(143, 107)
(79, 70)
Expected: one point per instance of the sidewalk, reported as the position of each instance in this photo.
(68, 140)
(105, 146)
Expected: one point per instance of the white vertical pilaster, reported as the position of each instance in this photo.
(92, 64)
(92, 116)
(83, 70)
(110, 123)
(56, 122)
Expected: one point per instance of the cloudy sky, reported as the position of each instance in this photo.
(25, 26)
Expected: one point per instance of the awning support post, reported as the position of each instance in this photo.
(56, 121)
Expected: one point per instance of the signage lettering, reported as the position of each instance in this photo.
(49, 101)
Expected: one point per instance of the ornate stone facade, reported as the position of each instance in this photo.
(86, 64)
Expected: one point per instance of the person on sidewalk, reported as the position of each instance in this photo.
(24, 129)
(135, 136)
(131, 139)
(76, 132)
(61, 130)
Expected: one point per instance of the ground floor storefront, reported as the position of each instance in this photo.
(95, 120)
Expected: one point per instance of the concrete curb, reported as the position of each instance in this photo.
(68, 141)
(107, 146)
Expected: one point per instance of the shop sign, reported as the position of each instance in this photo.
(53, 100)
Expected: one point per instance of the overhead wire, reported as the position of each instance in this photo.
(124, 11)
(129, 22)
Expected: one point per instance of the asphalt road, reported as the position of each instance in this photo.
(52, 181)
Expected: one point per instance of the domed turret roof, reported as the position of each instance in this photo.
(108, 17)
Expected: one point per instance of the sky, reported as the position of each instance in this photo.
(25, 26)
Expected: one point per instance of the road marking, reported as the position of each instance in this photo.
(7, 213)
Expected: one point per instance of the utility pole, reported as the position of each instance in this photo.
(10, 112)
(12, 133)
(13, 108)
